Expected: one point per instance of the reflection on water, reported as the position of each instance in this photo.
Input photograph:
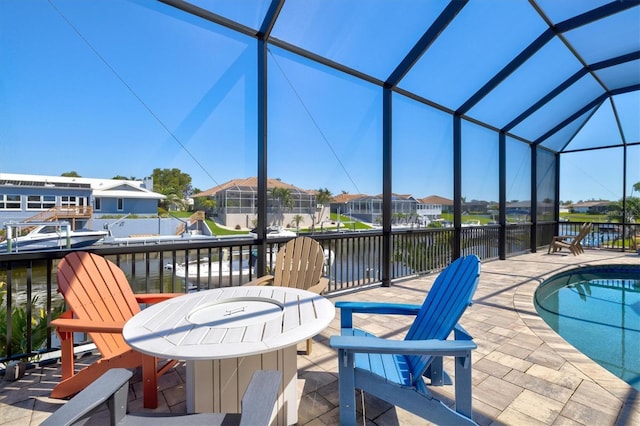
(150, 279)
(598, 311)
(350, 262)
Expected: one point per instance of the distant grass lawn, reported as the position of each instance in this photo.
(484, 219)
(345, 223)
(217, 230)
(584, 217)
(348, 223)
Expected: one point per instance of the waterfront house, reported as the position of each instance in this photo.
(594, 207)
(236, 204)
(368, 208)
(431, 208)
(77, 199)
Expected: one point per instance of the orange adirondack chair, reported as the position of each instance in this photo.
(299, 264)
(100, 301)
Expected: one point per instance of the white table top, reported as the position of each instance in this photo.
(228, 322)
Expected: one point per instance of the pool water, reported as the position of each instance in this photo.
(597, 310)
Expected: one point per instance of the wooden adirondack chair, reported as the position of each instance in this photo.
(570, 242)
(100, 301)
(299, 264)
(111, 389)
(393, 369)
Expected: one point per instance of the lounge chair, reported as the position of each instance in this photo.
(394, 370)
(571, 242)
(111, 389)
(299, 264)
(100, 301)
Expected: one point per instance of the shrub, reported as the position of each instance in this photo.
(38, 320)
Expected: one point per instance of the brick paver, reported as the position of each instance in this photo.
(524, 373)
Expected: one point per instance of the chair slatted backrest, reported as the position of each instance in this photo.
(449, 297)
(299, 263)
(575, 244)
(97, 290)
(584, 231)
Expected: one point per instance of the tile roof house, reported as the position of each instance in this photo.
(432, 207)
(236, 204)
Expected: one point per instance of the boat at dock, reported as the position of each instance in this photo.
(150, 239)
(224, 272)
(47, 236)
(227, 270)
(274, 231)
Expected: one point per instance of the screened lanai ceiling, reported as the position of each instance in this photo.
(564, 75)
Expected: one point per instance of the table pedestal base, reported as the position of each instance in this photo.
(217, 385)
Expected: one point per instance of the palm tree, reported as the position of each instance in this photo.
(283, 197)
(205, 203)
(297, 219)
(174, 200)
(323, 197)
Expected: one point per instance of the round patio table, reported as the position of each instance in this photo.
(225, 334)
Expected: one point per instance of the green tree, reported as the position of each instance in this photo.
(632, 210)
(204, 203)
(297, 219)
(120, 177)
(173, 184)
(172, 181)
(174, 202)
(70, 174)
(282, 198)
(323, 197)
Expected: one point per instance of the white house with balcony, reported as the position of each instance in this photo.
(26, 197)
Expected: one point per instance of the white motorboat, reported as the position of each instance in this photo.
(224, 272)
(471, 223)
(274, 231)
(166, 239)
(47, 236)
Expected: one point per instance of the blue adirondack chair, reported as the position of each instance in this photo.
(395, 370)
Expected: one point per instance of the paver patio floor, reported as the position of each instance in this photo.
(523, 372)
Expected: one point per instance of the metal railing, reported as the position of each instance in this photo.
(354, 260)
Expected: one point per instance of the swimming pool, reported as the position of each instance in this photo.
(597, 310)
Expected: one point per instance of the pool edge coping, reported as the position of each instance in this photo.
(523, 303)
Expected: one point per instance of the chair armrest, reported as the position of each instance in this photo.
(264, 280)
(349, 308)
(379, 308)
(562, 243)
(460, 333)
(151, 298)
(260, 398)
(358, 344)
(73, 324)
(320, 287)
(111, 387)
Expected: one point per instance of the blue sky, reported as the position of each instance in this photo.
(121, 87)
